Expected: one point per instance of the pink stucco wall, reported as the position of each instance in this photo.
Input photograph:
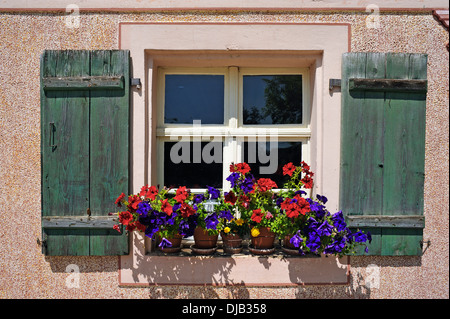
(26, 273)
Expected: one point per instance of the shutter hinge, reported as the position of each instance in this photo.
(43, 243)
(135, 82)
(334, 83)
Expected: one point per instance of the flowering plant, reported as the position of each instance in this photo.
(307, 223)
(159, 212)
(209, 217)
(249, 205)
(253, 199)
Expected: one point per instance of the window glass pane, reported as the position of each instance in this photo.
(194, 165)
(272, 99)
(191, 97)
(271, 157)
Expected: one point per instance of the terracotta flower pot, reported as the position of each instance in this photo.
(264, 240)
(231, 240)
(203, 240)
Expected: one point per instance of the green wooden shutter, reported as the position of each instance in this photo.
(383, 148)
(84, 150)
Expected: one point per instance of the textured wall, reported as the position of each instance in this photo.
(26, 273)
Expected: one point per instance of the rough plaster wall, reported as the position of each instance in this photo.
(26, 273)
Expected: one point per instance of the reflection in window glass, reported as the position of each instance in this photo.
(277, 154)
(194, 165)
(272, 99)
(191, 97)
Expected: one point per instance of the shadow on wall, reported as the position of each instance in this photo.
(227, 277)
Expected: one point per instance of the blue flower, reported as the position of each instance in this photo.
(211, 221)
(359, 237)
(325, 229)
(301, 192)
(214, 193)
(247, 184)
(296, 240)
(199, 198)
(226, 214)
(151, 230)
(165, 243)
(171, 219)
(279, 201)
(339, 221)
(313, 242)
(321, 198)
(176, 207)
(143, 208)
(336, 246)
(317, 208)
(233, 179)
(187, 227)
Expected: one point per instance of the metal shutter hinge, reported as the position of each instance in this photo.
(135, 82)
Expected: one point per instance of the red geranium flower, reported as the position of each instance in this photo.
(119, 199)
(302, 204)
(245, 201)
(133, 202)
(292, 210)
(242, 168)
(289, 169)
(266, 184)
(139, 226)
(131, 226)
(230, 198)
(307, 181)
(181, 194)
(186, 210)
(117, 227)
(166, 207)
(149, 192)
(305, 167)
(125, 217)
(257, 215)
(285, 204)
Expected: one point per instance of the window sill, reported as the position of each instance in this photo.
(141, 268)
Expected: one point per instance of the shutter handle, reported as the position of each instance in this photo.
(381, 165)
(52, 135)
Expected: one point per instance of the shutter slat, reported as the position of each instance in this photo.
(391, 85)
(109, 144)
(83, 83)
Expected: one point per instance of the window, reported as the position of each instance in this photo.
(209, 118)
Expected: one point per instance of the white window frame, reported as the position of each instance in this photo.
(233, 133)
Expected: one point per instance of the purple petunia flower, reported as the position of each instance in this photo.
(301, 192)
(165, 243)
(214, 193)
(247, 184)
(325, 229)
(359, 237)
(336, 246)
(339, 221)
(296, 240)
(151, 230)
(321, 198)
(226, 214)
(313, 242)
(143, 208)
(233, 179)
(199, 198)
(211, 221)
